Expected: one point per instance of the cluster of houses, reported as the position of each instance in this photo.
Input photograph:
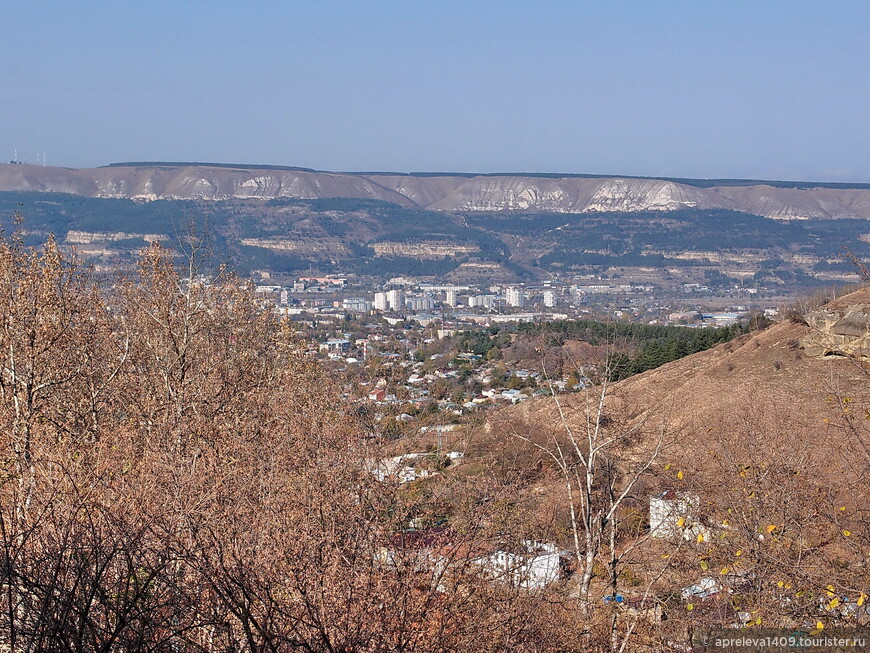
(415, 388)
(412, 379)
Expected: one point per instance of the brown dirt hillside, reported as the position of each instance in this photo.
(755, 400)
(766, 372)
(766, 377)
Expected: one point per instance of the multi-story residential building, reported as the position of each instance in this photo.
(357, 304)
(485, 301)
(420, 303)
(515, 297)
(396, 300)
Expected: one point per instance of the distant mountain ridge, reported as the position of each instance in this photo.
(446, 191)
(688, 181)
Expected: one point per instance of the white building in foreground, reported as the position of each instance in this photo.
(541, 564)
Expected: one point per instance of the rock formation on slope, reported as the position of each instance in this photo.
(840, 328)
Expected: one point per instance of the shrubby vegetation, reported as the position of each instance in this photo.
(177, 476)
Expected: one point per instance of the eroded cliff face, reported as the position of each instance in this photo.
(194, 183)
(307, 246)
(423, 249)
(438, 192)
(91, 237)
(841, 328)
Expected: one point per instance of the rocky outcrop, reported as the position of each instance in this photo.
(90, 237)
(322, 246)
(840, 329)
(423, 249)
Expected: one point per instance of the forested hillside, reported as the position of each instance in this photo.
(343, 235)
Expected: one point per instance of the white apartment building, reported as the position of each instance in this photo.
(420, 303)
(486, 301)
(515, 297)
(357, 304)
(396, 300)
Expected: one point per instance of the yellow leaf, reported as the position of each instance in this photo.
(725, 522)
(681, 522)
(758, 621)
(724, 570)
(820, 625)
(680, 475)
(847, 533)
(788, 586)
(834, 603)
(666, 556)
(780, 584)
(704, 565)
(771, 528)
(861, 599)
(830, 591)
(700, 537)
(667, 467)
(842, 508)
(690, 607)
(739, 553)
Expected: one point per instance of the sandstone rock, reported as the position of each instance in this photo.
(839, 330)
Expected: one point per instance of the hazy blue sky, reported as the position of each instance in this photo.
(699, 89)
